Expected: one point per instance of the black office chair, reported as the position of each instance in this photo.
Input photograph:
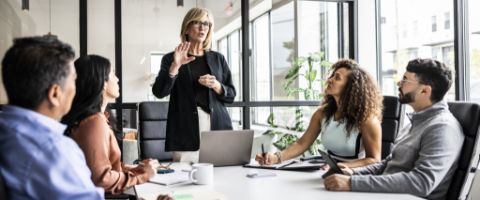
(392, 116)
(468, 114)
(3, 189)
(109, 196)
(152, 130)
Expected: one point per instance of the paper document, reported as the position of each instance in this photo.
(197, 195)
(289, 165)
(170, 178)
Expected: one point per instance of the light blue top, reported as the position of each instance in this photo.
(38, 162)
(340, 146)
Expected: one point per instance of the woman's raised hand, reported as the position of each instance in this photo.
(181, 54)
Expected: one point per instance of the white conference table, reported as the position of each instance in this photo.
(231, 183)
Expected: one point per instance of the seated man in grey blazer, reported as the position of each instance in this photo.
(424, 158)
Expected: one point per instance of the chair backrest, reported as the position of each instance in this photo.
(3, 189)
(468, 114)
(152, 130)
(392, 116)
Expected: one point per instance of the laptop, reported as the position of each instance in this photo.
(226, 148)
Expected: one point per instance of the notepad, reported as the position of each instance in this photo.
(289, 165)
(170, 178)
(197, 195)
(257, 174)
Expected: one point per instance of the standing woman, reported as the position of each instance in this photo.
(199, 83)
(88, 125)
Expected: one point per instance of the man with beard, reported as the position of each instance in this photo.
(424, 159)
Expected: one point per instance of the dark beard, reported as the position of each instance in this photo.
(406, 98)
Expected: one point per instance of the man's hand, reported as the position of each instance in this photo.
(337, 182)
(164, 197)
(346, 170)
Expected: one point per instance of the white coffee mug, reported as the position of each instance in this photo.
(202, 174)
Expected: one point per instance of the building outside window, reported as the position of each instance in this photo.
(424, 42)
(447, 21)
(474, 52)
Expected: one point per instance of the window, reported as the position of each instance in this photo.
(283, 48)
(234, 62)
(284, 117)
(155, 64)
(261, 70)
(398, 50)
(223, 47)
(261, 86)
(280, 37)
(447, 21)
(474, 45)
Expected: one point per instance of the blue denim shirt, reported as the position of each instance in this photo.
(38, 162)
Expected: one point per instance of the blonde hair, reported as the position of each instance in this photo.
(195, 14)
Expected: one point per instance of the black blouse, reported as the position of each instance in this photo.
(199, 67)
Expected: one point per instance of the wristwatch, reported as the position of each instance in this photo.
(279, 156)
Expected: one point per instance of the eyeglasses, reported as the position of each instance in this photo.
(204, 24)
(401, 82)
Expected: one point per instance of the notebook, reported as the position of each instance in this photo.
(176, 177)
(226, 148)
(291, 165)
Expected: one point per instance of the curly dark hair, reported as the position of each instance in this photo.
(360, 99)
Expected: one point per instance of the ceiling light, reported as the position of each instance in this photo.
(25, 5)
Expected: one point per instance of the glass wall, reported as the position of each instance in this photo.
(101, 28)
(261, 84)
(293, 119)
(283, 48)
(474, 36)
(234, 57)
(404, 36)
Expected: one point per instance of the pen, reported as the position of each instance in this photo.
(263, 152)
(291, 163)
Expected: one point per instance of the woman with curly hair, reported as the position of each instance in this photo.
(348, 120)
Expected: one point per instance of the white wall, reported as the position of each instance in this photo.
(17, 23)
(145, 29)
(154, 26)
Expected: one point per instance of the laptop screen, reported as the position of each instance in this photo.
(226, 148)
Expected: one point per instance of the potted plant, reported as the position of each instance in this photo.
(312, 70)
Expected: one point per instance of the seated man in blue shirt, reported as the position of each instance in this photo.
(424, 158)
(37, 161)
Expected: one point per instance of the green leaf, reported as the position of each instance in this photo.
(292, 72)
(270, 121)
(285, 141)
(314, 147)
(311, 75)
(273, 133)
